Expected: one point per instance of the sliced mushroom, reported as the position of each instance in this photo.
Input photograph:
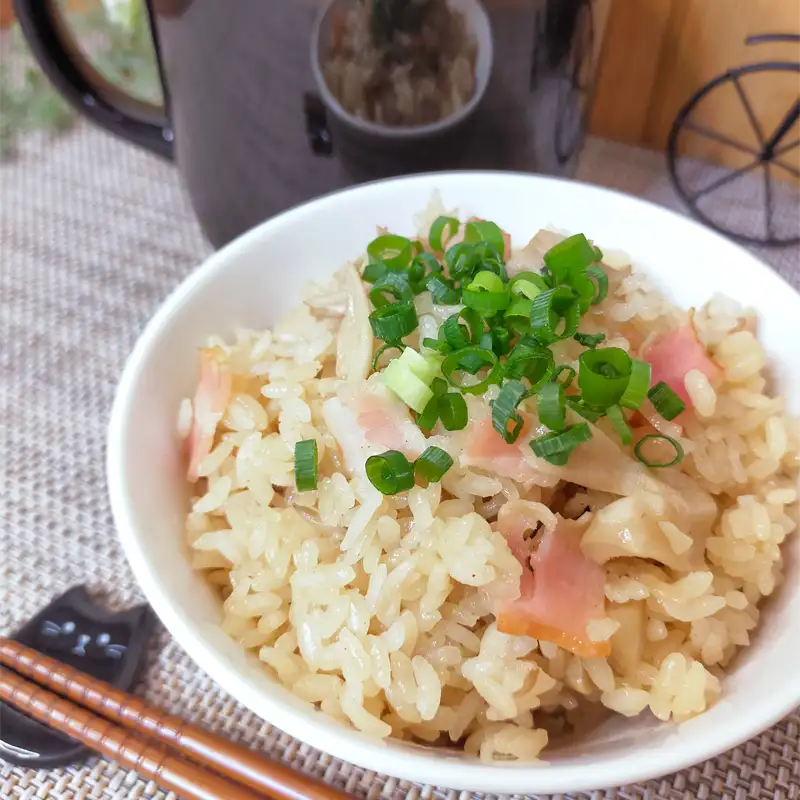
(354, 340)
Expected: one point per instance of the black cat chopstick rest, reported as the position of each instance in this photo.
(76, 631)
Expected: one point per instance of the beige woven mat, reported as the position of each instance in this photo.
(94, 235)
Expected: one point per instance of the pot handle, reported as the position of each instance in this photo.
(82, 85)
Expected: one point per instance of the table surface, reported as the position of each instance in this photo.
(94, 235)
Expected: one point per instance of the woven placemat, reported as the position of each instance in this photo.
(94, 235)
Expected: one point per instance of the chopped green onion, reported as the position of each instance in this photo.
(461, 261)
(423, 265)
(603, 375)
(598, 253)
(438, 228)
(588, 412)
(393, 284)
(427, 419)
(555, 447)
(435, 344)
(590, 340)
(455, 363)
(442, 290)
(665, 401)
(504, 411)
(530, 360)
(487, 294)
(484, 231)
(373, 271)
(410, 388)
(620, 424)
(527, 284)
(433, 463)
(394, 251)
(550, 406)
(453, 411)
(487, 257)
(571, 255)
(438, 387)
(457, 335)
(418, 246)
(501, 340)
(305, 465)
(637, 387)
(390, 472)
(381, 350)
(426, 368)
(599, 274)
(564, 368)
(518, 314)
(549, 309)
(676, 445)
(584, 288)
(392, 322)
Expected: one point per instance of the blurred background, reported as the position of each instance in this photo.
(702, 83)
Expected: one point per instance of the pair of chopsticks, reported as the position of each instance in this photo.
(178, 756)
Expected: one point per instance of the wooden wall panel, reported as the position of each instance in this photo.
(657, 53)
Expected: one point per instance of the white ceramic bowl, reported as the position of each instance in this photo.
(252, 280)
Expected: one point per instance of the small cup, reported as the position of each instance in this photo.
(370, 149)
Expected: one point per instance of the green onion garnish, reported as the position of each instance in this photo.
(427, 419)
(464, 361)
(435, 344)
(570, 377)
(433, 463)
(551, 308)
(550, 406)
(390, 472)
(394, 251)
(527, 284)
(461, 260)
(423, 265)
(442, 290)
(555, 447)
(453, 411)
(518, 314)
(600, 277)
(439, 387)
(501, 340)
(620, 424)
(570, 255)
(438, 228)
(603, 375)
(305, 465)
(531, 360)
(637, 451)
(665, 401)
(457, 335)
(504, 411)
(487, 294)
(637, 387)
(588, 412)
(373, 271)
(485, 232)
(410, 388)
(394, 321)
(393, 284)
(590, 340)
(381, 350)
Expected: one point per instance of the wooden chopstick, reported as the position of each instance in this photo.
(265, 776)
(150, 760)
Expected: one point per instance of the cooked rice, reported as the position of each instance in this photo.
(375, 609)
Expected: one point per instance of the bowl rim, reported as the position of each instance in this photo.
(413, 764)
(484, 47)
